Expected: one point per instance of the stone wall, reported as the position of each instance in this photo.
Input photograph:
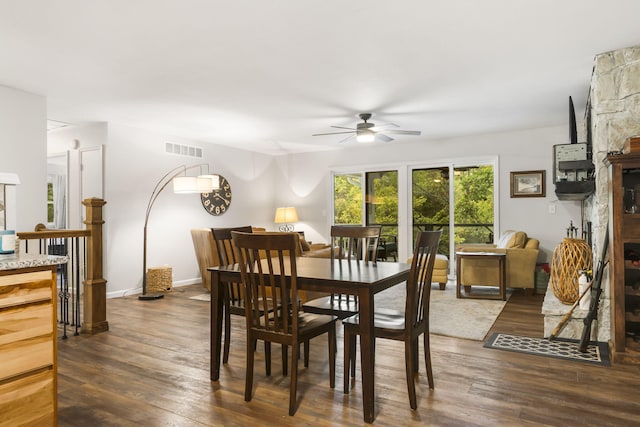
(615, 116)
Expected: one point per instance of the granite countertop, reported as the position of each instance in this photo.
(13, 262)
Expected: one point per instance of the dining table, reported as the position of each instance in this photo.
(361, 278)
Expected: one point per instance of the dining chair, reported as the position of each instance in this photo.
(349, 243)
(284, 323)
(404, 326)
(234, 298)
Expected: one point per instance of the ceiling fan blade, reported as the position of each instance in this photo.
(384, 138)
(403, 132)
(342, 127)
(383, 126)
(347, 139)
(333, 133)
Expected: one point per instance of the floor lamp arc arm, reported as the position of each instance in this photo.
(161, 185)
(164, 181)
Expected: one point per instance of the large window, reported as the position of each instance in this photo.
(455, 198)
(347, 199)
(469, 190)
(430, 203)
(369, 198)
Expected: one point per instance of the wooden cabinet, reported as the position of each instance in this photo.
(28, 347)
(624, 256)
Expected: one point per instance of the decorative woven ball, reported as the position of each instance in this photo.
(569, 258)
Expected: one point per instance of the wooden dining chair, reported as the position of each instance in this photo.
(404, 326)
(284, 323)
(233, 295)
(349, 243)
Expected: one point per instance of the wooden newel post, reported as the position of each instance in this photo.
(95, 286)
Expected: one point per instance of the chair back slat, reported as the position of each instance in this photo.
(227, 255)
(419, 281)
(267, 289)
(355, 242)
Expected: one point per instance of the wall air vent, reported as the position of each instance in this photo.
(182, 150)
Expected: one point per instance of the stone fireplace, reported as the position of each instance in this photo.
(614, 104)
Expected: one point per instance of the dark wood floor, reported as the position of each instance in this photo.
(152, 369)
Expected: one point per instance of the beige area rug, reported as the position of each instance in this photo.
(460, 318)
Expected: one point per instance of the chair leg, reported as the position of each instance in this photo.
(353, 347)
(427, 359)
(415, 356)
(411, 385)
(347, 358)
(267, 357)
(285, 363)
(251, 345)
(332, 356)
(227, 332)
(293, 385)
(306, 354)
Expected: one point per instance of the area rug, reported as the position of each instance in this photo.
(597, 352)
(202, 297)
(461, 318)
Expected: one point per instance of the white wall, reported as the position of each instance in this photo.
(23, 150)
(135, 161)
(305, 179)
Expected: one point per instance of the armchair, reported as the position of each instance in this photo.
(522, 254)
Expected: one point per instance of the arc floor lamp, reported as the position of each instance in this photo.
(182, 184)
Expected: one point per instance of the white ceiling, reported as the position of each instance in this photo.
(265, 75)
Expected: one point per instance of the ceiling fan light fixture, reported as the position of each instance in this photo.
(365, 136)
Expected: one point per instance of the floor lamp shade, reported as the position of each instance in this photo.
(194, 184)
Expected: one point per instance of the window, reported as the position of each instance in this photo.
(378, 205)
(347, 199)
(469, 191)
(381, 205)
(456, 198)
(50, 204)
(430, 203)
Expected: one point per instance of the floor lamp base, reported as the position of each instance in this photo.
(146, 297)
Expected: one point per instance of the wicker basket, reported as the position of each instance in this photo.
(159, 279)
(569, 258)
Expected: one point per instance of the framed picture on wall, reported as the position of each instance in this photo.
(528, 184)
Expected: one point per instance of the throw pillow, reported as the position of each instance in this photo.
(505, 238)
(305, 245)
(516, 239)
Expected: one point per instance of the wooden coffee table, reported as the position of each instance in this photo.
(500, 264)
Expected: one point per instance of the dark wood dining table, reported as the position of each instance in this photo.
(360, 278)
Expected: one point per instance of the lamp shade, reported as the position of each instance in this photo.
(215, 181)
(286, 215)
(192, 184)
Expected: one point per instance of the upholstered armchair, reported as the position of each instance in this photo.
(522, 254)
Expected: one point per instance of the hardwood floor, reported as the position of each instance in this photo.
(152, 369)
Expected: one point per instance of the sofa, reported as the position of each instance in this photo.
(520, 262)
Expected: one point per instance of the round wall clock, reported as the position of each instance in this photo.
(217, 202)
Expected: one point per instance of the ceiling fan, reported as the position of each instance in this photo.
(369, 132)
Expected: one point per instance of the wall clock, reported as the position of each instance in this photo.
(217, 202)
